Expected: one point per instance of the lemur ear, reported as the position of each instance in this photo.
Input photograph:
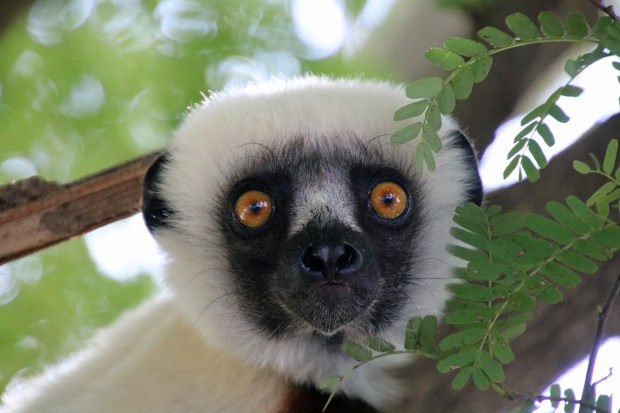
(474, 191)
(156, 211)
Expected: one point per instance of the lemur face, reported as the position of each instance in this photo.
(289, 213)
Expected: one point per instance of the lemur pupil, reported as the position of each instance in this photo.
(256, 207)
(388, 199)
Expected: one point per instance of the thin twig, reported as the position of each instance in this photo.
(588, 388)
(609, 10)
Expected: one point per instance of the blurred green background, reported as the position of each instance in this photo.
(87, 84)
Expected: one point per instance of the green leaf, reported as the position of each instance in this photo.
(431, 137)
(486, 271)
(601, 26)
(600, 193)
(480, 380)
(610, 157)
(550, 24)
(519, 301)
(577, 261)
(466, 254)
(419, 158)
(463, 338)
(569, 407)
(548, 293)
(443, 58)
(411, 110)
(472, 292)
(428, 333)
(446, 99)
(560, 275)
(380, 345)
(495, 37)
(537, 153)
(512, 332)
(330, 382)
(532, 173)
(581, 167)
(501, 349)
(470, 238)
(577, 25)
(406, 134)
(613, 196)
(548, 228)
(572, 67)
(465, 47)
(356, 351)
(571, 91)
(603, 403)
(555, 392)
(469, 316)
(522, 26)
(525, 131)
(512, 165)
(518, 146)
(470, 224)
(428, 87)
(584, 212)
(558, 114)
(463, 358)
(592, 249)
(429, 159)
(463, 83)
(566, 217)
(462, 378)
(506, 224)
(491, 368)
(608, 236)
(537, 112)
(433, 117)
(528, 406)
(481, 67)
(412, 333)
(545, 133)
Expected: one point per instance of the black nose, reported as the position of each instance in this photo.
(330, 260)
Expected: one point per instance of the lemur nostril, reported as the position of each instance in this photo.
(330, 260)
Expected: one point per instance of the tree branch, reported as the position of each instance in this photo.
(609, 10)
(589, 388)
(35, 213)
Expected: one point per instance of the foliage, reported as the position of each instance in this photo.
(513, 260)
(469, 62)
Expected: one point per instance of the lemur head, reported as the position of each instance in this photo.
(289, 218)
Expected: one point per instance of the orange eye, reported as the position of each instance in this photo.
(253, 209)
(388, 200)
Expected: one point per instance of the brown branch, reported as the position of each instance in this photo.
(589, 388)
(609, 10)
(35, 213)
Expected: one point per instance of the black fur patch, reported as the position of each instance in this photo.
(474, 192)
(156, 212)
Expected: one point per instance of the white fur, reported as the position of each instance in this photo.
(193, 351)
